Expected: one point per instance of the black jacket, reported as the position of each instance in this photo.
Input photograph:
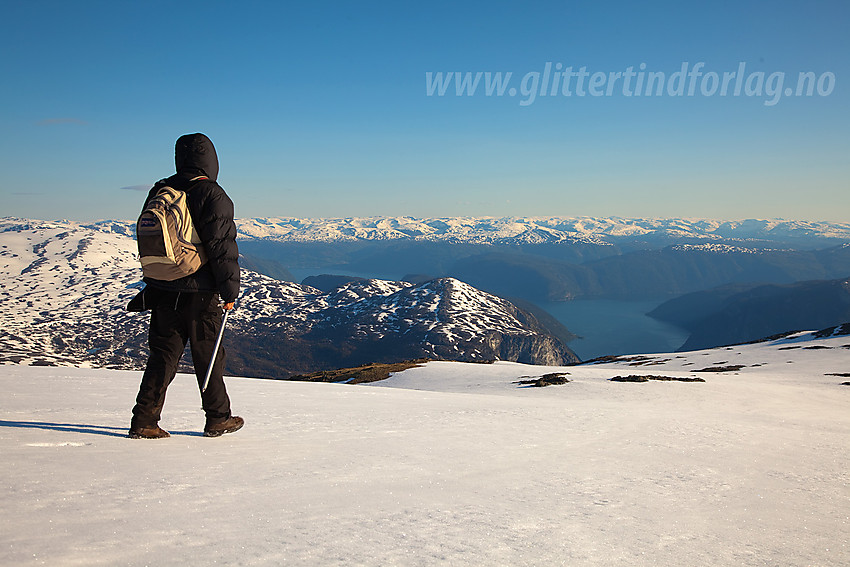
(212, 214)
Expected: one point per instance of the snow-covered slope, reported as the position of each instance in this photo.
(747, 468)
(63, 288)
(823, 357)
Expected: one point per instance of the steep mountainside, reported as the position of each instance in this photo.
(65, 285)
(378, 321)
(736, 314)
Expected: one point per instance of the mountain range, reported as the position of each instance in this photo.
(65, 285)
(554, 258)
(537, 230)
(59, 273)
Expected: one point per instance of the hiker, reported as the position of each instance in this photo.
(190, 308)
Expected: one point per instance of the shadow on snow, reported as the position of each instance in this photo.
(81, 428)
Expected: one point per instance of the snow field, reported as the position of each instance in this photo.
(747, 469)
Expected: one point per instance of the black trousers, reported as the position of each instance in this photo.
(175, 319)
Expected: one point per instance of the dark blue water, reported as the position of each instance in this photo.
(615, 327)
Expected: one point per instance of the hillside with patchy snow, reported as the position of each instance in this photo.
(64, 286)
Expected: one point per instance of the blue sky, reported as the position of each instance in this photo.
(320, 109)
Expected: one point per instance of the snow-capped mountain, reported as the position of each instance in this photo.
(64, 287)
(532, 230)
(374, 320)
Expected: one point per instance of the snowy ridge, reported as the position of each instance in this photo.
(122, 227)
(49, 268)
(446, 308)
(531, 230)
(450, 315)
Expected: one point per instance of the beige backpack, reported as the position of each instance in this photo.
(169, 245)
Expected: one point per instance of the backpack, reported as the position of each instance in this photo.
(169, 245)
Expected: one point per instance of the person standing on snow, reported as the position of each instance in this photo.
(188, 309)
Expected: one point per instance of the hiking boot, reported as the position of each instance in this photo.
(151, 432)
(232, 424)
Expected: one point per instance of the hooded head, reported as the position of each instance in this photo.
(194, 155)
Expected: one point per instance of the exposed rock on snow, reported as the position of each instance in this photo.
(648, 377)
(730, 368)
(360, 375)
(551, 379)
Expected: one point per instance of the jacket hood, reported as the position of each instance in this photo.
(194, 155)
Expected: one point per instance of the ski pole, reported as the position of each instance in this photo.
(215, 351)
